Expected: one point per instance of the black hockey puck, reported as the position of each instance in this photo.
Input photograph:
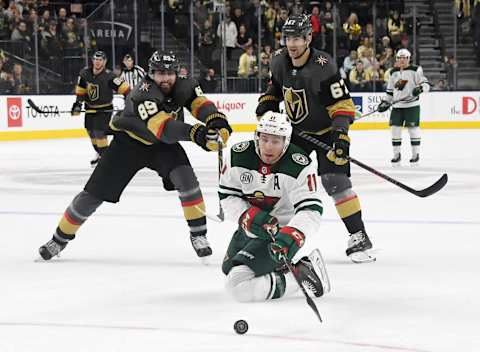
(240, 327)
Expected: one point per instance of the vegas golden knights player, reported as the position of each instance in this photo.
(317, 101)
(147, 134)
(95, 87)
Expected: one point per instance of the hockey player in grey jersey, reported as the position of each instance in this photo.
(268, 186)
(404, 86)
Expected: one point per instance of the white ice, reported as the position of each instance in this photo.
(130, 281)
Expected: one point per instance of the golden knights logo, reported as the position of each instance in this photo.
(92, 91)
(295, 104)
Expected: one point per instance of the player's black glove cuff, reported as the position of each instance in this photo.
(266, 103)
(76, 108)
(341, 147)
(417, 91)
(219, 122)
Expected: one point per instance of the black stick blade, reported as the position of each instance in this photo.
(437, 186)
(33, 106)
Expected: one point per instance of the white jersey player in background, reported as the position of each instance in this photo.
(268, 186)
(404, 86)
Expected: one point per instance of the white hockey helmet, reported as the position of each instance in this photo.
(274, 123)
(403, 53)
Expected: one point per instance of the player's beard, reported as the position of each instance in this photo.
(166, 87)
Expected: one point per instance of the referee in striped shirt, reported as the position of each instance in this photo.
(131, 73)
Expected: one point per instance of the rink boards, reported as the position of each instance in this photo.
(442, 110)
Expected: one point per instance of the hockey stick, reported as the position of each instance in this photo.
(290, 267)
(406, 100)
(220, 215)
(437, 186)
(40, 111)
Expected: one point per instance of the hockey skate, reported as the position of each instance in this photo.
(396, 160)
(312, 273)
(359, 248)
(51, 249)
(201, 245)
(415, 159)
(95, 160)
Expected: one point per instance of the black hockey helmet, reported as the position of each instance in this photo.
(99, 55)
(297, 26)
(162, 61)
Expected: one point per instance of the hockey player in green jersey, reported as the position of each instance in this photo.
(404, 87)
(268, 186)
(318, 102)
(147, 135)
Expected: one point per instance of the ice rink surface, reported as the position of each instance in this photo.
(130, 281)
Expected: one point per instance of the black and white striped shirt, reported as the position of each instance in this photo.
(133, 76)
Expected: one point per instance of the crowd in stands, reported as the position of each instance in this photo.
(365, 45)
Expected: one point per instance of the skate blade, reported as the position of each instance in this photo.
(320, 269)
(367, 256)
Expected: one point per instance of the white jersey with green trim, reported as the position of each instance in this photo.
(288, 189)
(401, 84)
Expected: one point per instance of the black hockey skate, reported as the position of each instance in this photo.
(359, 247)
(51, 249)
(396, 159)
(415, 159)
(201, 245)
(312, 273)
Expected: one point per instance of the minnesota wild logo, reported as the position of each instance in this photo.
(295, 104)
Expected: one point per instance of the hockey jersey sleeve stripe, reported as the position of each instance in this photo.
(226, 195)
(307, 200)
(231, 189)
(313, 207)
(156, 123)
(191, 203)
(79, 91)
(343, 107)
(123, 88)
(202, 107)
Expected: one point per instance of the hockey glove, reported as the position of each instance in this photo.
(287, 243)
(219, 122)
(266, 103)
(258, 222)
(417, 91)
(203, 137)
(76, 108)
(383, 106)
(340, 149)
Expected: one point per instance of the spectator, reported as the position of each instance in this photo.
(267, 49)
(440, 85)
(61, 19)
(316, 28)
(200, 14)
(20, 34)
(247, 64)
(383, 45)
(51, 45)
(387, 60)
(230, 29)
(72, 45)
(359, 78)
(405, 44)
(237, 17)
(369, 32)
(348, 63)
(6, 81)
(44, 19)
(281, 17)
(326, 18)
(377, 77)
(381, 27)
(365, 45)
(264, 70)
(4, 24)
(208, 82)
(32, 17)
(243, 39)
(451, 66)
(395, 28)
(207, 43)
(20, 82)
(353, 30)
(183, 72)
